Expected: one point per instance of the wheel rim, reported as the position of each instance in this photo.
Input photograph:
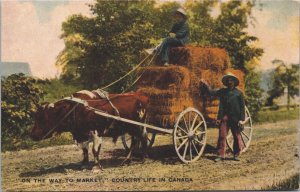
(189, 135)
(246, 134)
(126, 139)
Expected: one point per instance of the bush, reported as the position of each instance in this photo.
(20, 97)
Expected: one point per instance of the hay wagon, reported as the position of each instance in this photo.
(179, 108)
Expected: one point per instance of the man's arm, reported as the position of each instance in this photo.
(206, 88)
(183, 31)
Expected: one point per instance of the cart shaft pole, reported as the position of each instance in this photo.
(118, 118)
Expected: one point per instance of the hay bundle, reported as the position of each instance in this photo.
(164, 77)
(213, 78)
(199, 58)
(168, 90)
(159, 94)
(165, 105)
(203, 63)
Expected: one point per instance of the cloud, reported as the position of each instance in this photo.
(278, 43)
(26, 39)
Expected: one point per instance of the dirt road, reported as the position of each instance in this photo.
(272, 157)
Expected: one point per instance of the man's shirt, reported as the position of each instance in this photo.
(232, 103)
(181, 29)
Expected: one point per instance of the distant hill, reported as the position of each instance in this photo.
(9, 68)
(266, 79)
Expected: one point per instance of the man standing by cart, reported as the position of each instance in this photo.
(178, 36)
(231, 114)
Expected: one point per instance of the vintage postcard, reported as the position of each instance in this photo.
(150, 95)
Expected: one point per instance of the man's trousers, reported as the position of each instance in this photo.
(164, 48)
(223, 131)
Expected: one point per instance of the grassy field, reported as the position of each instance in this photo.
(291, 183)
(278, 115)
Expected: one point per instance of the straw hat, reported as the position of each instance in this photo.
(230, 75)
(181, 11)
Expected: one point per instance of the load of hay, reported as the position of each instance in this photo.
(173, 89)
(168, 90)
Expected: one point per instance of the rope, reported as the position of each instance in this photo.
(128, 73)
(142, 73)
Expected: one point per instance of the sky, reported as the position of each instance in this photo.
(30, 31)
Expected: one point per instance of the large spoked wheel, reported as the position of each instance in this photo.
(127, 140)
(189, 135)
(246, 134)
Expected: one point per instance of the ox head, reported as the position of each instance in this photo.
(46, 118)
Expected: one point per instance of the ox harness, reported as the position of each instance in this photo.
(101, 93)
(104, 95)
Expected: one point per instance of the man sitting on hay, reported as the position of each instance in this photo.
(178, 36)
(231, 114)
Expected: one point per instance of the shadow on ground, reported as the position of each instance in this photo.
(165, 154)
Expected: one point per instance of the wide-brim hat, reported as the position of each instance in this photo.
(230, 75)
(181, 11)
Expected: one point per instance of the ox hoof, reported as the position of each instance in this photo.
(97, 169)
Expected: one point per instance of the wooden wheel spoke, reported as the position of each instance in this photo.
(184, 141)
(182, 137)
(195, 147)
(198, 141)
(244, 141)
(194, 121)
(185, 149)
(247, 127)
(191, 154)
(182, 129)
(185, 122)
(198, 125)
(245, 135)
(200, 133)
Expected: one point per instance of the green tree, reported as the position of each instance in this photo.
(253, 93)
(201, 22)
(284, 77)
(19, 97)
(105, 46)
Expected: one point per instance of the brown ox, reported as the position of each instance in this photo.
(68, 115)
